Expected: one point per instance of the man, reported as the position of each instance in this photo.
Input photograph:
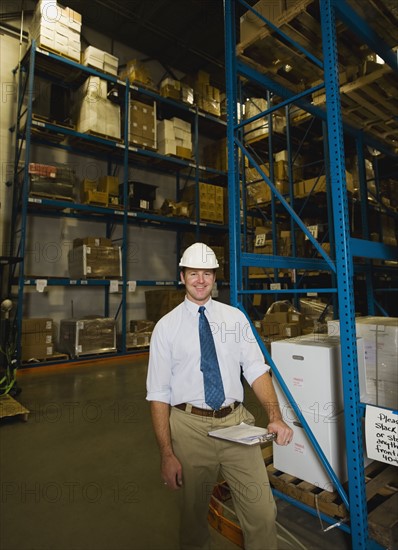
(191, 460)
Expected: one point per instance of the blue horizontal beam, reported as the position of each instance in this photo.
(371, 249)
(289, 291)
(265, 260)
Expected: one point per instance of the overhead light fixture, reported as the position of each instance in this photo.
(287, 68)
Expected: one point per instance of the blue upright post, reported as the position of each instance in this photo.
(233, 172)
(355, 464)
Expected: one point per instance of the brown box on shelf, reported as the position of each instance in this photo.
(36, 338)
(269, 328)
(36, 351)
(96, 197)
(142, 123)
(95, 262)
(160, 302)
(141, 325)
(92, 241)
(37, 325)
(211, 201)
(86, 336)
(138, 339)
(108, 184)
(289, 330)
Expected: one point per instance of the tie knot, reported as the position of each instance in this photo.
(201, 309)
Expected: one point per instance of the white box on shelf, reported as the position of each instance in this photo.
(299, 459)
(310, 366)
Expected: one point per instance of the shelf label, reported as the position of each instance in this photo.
(120, 145)
(41, 284)
(37, 201)
(132, 214)
(275, 286)
(37, 123)
(118, 212)
(312, 294)
(133, 149)
(381, 432)
(113, 286)
(201, 167)
(313, 229)
(73, 282)
(132, 286)
(84, 282)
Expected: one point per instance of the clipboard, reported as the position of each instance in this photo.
(244, 434)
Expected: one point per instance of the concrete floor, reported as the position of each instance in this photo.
(83, 472)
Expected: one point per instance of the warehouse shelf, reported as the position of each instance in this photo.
(285, 63)
(33, 128)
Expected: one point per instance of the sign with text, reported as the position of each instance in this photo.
(381, 428)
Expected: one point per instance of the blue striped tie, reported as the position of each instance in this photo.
(214, 389)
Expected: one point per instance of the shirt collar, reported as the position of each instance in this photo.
(194, 308)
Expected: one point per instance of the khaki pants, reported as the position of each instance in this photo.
(203, 459)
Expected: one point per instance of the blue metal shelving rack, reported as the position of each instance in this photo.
(341, 266)
(122, 153)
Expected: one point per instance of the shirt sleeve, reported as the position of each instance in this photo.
(159, 368)
(251, 359)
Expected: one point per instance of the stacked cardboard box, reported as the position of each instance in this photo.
(260, 127)
(57, 28)
(211, 202)
(36, 338)
(95, 113)
(174, 89)
(51, 101)
(175, 138)
(160, 302)
(142, 124)
(207, 97)
(136, 72)
(94, 257)
(318, 185)
(175, 209)
(101, 60)
(380, 335)
(85, 336)
(140, 333)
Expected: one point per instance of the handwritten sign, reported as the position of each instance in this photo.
(381, 429)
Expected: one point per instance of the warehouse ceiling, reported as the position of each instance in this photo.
(187, 35)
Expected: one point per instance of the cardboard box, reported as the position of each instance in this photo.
(36, 325)
(36, 338)
(379, 356)
(160, 302)
(92, 241)
(36, 351)
(109, 184)
(95, 262)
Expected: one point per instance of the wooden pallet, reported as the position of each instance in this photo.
(48, 358)
(381, 493)
(57, 52)
(46, 120)
(10, 407)
(50, 196)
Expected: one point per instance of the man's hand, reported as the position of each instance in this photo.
(284, 434)
(171, 471)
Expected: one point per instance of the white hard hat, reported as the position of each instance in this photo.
(199, 256)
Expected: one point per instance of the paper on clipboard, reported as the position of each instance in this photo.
(244, 434)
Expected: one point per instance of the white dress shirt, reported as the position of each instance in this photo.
(174, 374)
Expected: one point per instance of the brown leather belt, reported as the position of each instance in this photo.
(209, 412)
